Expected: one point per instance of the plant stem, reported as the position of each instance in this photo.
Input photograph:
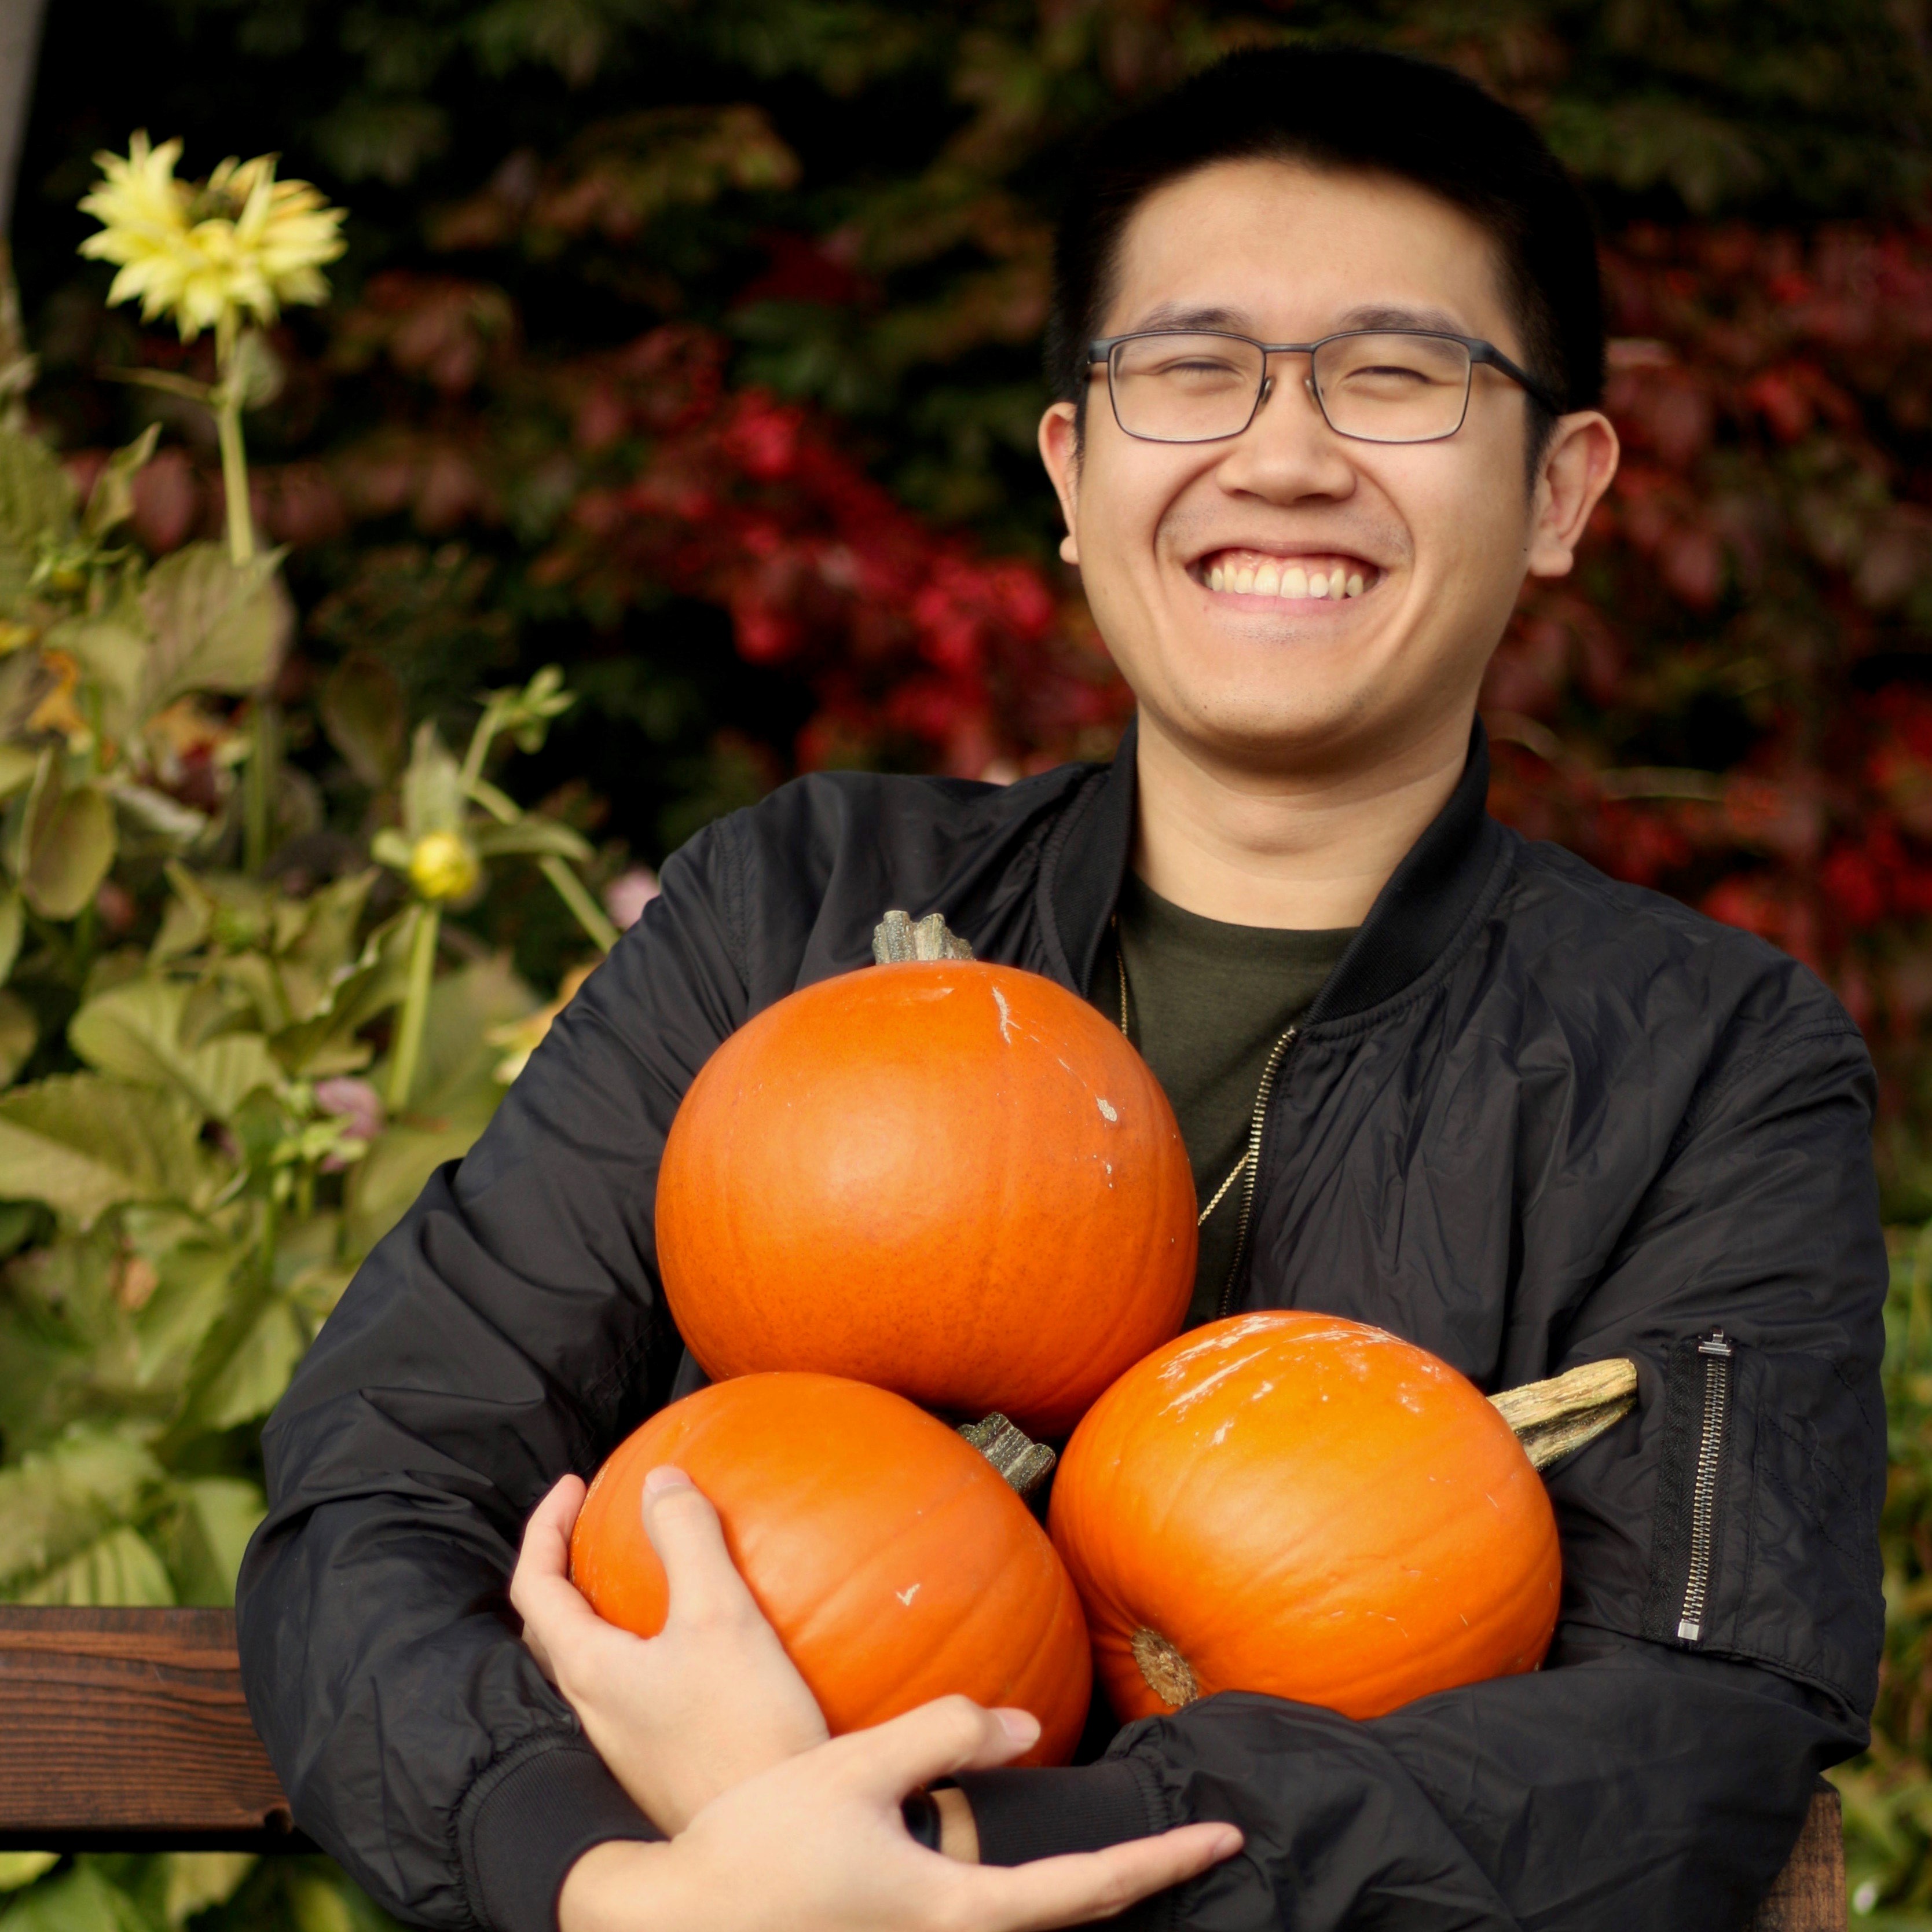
(408, 1048)
(571, 890)
(235, 473)
(258, 786)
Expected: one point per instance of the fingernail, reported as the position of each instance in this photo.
(1022, 1726)
(666, 1478)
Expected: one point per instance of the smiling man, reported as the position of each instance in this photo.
(1328, 341)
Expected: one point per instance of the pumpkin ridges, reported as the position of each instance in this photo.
(1031, 1234)
(814, 1549)
(1176, 1505)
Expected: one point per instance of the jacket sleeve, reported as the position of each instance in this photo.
(507, 1330)
(1644, 1776)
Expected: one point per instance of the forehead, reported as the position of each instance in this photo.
(1287, 251)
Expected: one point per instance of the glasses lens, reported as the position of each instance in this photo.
(1185, 389)
(1393, 388)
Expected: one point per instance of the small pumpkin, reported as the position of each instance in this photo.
(953, 1179)
(1307, 1507)
(895, 1563)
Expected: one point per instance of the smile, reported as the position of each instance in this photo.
(1252, 573)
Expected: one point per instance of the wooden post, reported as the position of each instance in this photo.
(1809, 1895)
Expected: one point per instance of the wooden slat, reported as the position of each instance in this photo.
(126, 1730)
(1809, 1895)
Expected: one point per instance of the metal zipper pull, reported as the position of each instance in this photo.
(1251, 1162)
(1715, 1352)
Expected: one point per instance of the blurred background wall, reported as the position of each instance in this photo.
(694, 347)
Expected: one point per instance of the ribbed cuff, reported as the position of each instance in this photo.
(528, 1819)
(1022, 1815)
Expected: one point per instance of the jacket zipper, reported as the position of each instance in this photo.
(1249, 1165)
(1252, 1163)
(1716, 1355)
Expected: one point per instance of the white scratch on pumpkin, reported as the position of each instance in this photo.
(906, 1596)
(1006, 1015)
(1106, 1110)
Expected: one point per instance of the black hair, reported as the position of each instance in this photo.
(1363, 110)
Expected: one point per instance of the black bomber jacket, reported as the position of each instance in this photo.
(1534, 1118)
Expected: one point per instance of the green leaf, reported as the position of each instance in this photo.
(36, 506)
(61, 1508)
(120, 1568)
(68, 844)
(18, 764)
(365, 713)
(13, 924)
(83, 1144)
(80, 1900)
(19, 1868)
(456, 1092)
(249, 1382)
(112, 651)
(214, 1517)
(19, 1032)
(218, 625)
(135, 1032)
(111, 501)
(196, 1880)
(536, 837)
(432, 798)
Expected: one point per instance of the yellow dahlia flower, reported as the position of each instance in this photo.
(241, 246)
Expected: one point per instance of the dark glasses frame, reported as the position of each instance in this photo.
(1103, 349)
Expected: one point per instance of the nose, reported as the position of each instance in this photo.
(1287, 451)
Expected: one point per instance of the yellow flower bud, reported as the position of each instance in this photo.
(441, 866)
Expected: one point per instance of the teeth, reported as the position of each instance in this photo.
(1269, 579)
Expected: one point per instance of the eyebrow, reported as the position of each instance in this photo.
(1173, 316)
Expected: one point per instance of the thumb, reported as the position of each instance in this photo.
(949, 1734)
(685, 1531)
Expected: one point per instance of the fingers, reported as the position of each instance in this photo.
(540, 1591)
(950, 1734)
(1084, 1886)
(685, 1531)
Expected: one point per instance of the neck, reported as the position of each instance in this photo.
(1302, 849)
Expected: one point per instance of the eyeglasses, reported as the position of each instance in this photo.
(1373, 384)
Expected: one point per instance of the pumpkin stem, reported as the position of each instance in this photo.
(1025, 1463)
(1552, 1417)
(1168, 1674)
(896, 938)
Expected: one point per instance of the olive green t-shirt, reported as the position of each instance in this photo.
(1206, 1004)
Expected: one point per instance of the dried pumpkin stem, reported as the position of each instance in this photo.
(898, 937)
(1025, 1463)
(1551, 1418)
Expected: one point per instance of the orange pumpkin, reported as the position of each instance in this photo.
(952, 1179)
(1304, 1506)
(892, 1560)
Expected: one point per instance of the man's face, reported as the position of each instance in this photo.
(1430, 541)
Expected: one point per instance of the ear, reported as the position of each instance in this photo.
(1060, 453)
(1577, 468)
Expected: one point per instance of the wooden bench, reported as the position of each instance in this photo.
(125, 1730)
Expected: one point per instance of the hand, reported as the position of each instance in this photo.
(678, 1717)
(817, 1844)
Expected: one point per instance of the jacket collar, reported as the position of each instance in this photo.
(1410, 927)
